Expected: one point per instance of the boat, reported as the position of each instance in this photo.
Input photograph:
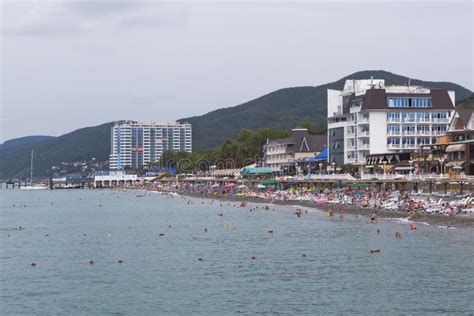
(31, 186)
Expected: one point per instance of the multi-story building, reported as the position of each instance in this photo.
(134, 144)
(453, 151)
(367, 118)
(281, 154)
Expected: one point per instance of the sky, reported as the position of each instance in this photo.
(70, 64)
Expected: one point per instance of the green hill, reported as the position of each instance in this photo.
(286, 108)
(467, 103)
(80, 145)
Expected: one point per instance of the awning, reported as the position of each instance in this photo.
(404, 168)
(456, 147)
(225, 172)
(321, 157)
(256, 170)
(268, 182)
(454, 163)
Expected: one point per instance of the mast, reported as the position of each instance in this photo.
(31, 168)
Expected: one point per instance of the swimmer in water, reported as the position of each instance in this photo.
(398, 235)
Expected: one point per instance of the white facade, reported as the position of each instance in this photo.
(136, 144)
(276, 156)
(369, 118)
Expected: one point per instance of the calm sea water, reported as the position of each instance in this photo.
(428, 271)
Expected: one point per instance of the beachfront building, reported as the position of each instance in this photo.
(134, 145)
(282, 154)
(454, 151)
(369, 119)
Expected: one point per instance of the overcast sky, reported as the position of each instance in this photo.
(71, 64)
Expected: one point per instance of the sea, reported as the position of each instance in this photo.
(105, 252)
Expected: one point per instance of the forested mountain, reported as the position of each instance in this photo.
(80, 145)
(280, 110)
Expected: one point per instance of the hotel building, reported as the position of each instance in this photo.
(134, 144)
(282, 154)
(367, 118)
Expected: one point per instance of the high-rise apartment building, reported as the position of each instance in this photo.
(367, 118)
(136, 144)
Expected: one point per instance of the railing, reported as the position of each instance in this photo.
(363, 146)
(344, 176)
(363, 134)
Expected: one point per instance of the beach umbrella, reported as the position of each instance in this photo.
(242, 187)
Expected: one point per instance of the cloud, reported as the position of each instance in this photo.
(71, 17)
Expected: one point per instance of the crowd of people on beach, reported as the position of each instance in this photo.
(366, 197)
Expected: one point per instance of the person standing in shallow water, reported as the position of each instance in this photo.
(373, 217)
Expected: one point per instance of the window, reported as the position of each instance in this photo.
(393, 129)
(393, 141)
(421, 102)
(408, 116)
(398, 102)
(393, 116)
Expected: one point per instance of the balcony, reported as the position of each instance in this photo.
(394, 146)
(363, 147)
(364, 120)
(394, 133)
(364, 134)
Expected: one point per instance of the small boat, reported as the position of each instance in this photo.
(32, 186)
(35, 187)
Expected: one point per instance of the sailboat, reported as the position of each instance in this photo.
(34, 186)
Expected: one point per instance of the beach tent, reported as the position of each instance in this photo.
(323, 156)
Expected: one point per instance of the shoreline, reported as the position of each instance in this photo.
(431, 219)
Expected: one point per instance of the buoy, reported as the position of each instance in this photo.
(46, 235)
(375, 250)
(412, 226)
(91, 262)
(161, 234)
(303, 255)
(200, 259)
(120, 261)
(33, 264)
(253, 258)
(270, 231)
